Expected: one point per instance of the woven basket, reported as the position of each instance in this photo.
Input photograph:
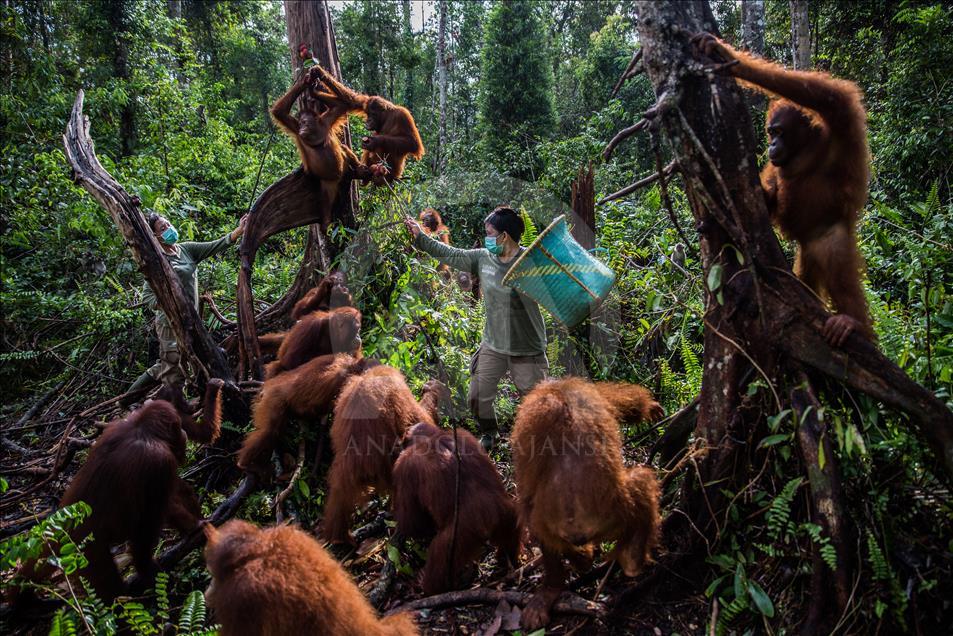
(559, 274)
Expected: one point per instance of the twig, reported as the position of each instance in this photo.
(642, 124)
(602, 583)
(690, 456)
(207, 297)
(641, 183)
(945, 246)
(280, 499)
(97, 407)
(10, 445)
(630, 72)
(518, 572)
(567, 603)
(61, 446)
(39, 404)
(666, 200)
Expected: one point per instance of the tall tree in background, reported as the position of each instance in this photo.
(119, 17)
(752, 26)
(465, 23)
(516, 104)
(752, 39)
(800, 34)
(442, 82)
(408, 44)
(370, 45)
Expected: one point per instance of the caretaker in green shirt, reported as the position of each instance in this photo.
(184, 259)
(514, 337)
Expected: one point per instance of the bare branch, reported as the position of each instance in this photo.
(630, 71)
(641, 183)
(567, 603)
(642, 124)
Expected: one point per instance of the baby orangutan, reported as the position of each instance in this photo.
(279, 581)
(573, 488)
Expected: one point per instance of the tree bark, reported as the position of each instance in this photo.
(800, 34)
(583, 194)
(752, 26)
(576, 356)
(752, 39)
(442, 82)
(829, 588)
(289, 203)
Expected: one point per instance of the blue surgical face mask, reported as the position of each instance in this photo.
(491, 245)
(170, 235)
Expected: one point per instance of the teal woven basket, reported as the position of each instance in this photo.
(559, 274)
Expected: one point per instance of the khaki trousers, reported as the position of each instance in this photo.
(487, 368)
(168, 369)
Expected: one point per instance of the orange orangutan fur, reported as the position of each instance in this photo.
(278, 581)
(306, 392)
(574, 490)
(370, 418)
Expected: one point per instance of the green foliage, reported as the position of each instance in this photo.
(528, 97)
(50, 536)
(516, 102)
(529, 231)
(779, 514)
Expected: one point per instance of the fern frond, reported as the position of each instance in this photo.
(779, 513)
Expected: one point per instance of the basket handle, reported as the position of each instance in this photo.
(598, 249)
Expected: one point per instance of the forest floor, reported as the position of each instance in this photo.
(56, 447)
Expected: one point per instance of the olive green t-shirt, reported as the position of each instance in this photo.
(184, 263)
(514, 323)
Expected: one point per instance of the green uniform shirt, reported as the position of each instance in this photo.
(185, 264)
(514, 323)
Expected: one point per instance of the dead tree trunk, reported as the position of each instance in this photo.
(292, 202)
(576, 358)
(759, 318)
(583, 194)
(195, 343)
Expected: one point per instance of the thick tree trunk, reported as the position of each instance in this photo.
(442, 82)
(290, 202)
(576, 357)
(583, 193)
(759, 319)
(800, 34)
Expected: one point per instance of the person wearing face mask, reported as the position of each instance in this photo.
(514, 336)
(184, 258)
